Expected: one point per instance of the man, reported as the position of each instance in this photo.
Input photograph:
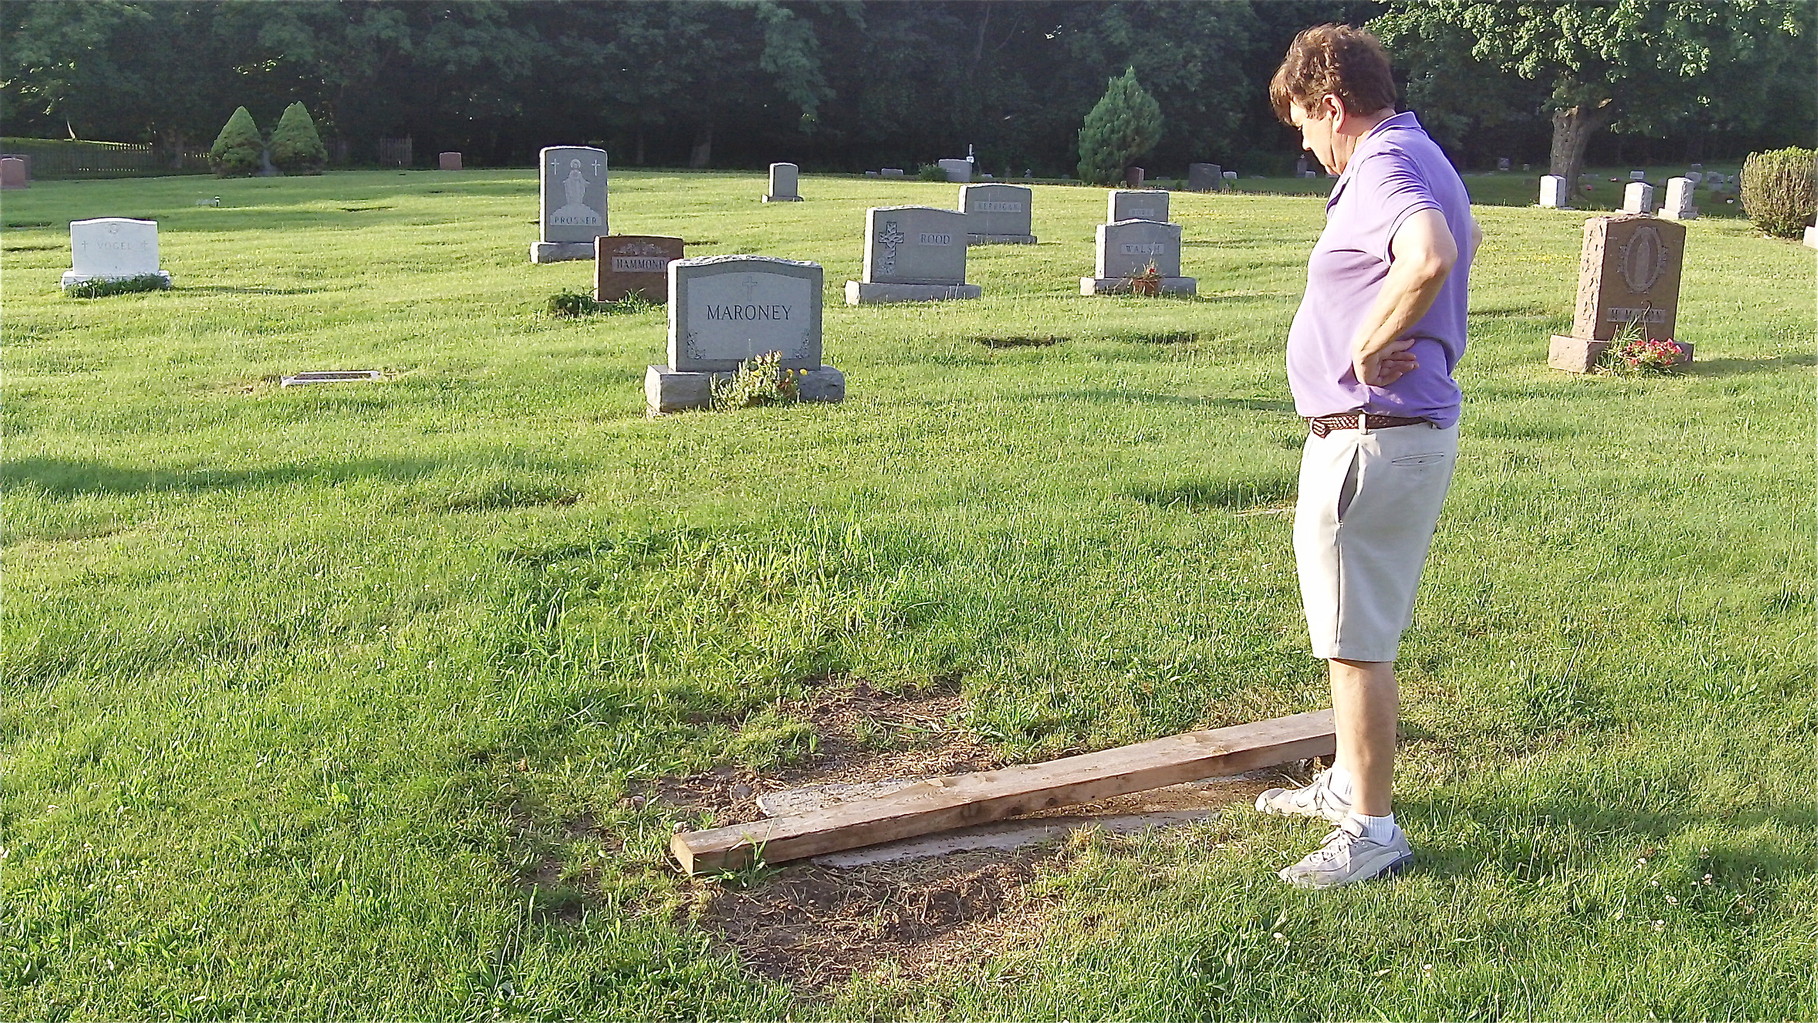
(1370, 360)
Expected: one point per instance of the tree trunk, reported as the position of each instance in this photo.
(1572, 130)
(703, 147)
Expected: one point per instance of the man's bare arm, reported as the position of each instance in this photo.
(1423, 253)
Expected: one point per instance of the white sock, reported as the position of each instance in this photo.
(1377, 828)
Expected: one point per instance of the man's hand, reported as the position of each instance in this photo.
(1422, 254)
(1386, 364)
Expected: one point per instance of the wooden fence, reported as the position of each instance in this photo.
(51, 159)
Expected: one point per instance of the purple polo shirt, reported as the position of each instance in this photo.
(1395, 172)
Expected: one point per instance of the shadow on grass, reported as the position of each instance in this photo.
(1198, 495)
(72, 477)
(222, 289)
(1738, 367)
(1281, 406)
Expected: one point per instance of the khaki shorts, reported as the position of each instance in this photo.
(1369, 502)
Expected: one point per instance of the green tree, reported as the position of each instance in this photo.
(295, 146)
(237, 149)
(1126, 123)
(1636, 66)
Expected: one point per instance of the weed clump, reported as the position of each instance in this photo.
(761, 380)
(117, 286)
(579, 303)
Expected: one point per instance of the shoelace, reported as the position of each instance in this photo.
(1336, 845)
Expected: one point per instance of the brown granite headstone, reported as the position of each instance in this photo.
(448, 161)
(1628, 274)
(14, 173)
(624, 263)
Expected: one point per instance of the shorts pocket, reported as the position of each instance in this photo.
(1418, 461)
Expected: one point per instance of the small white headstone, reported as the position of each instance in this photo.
(1230, 175)
(1137, 204)
(1553, 191)
(783, 178)
(112, 248)
(1638, 197)
(1678, 204)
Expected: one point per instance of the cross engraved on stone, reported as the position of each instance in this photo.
(596, 165)
(891, 236)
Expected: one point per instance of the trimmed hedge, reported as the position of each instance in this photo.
(237, 149)
(296, 147)
(1780, 190)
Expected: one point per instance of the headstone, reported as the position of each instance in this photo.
(1147, 204)
(1127, 248)
(998, 214)
(1309, 174)
(113, 249)
(959, 171)
(912, 254)
(1553, 191)
(1230, 175)
(892, 172)
(13, 173)
(1695, 177)
(330, 376)
(1678, 204)
(1503, 163)
(1638, 197)
(628, 263)
(448, 161)
(1636, 175)
(1300, 167)
(724, 310)
(1697, 166)
(573, 203)
(1628, 273)
(783, 183)
(1133, 177)
(1204, 177)
(1811, 237)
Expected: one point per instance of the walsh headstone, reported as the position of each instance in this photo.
(1126, 251)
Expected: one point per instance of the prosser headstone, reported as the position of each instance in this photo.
(1678, 204)
(783, 183)
(998, 214)
(113, 249)
(1204, 177)
(14, 173)
(573, 203)
(1553, 192)
(912, 254)
(627, 264)
(958, 171)
(448, 161)
(1126, 251)
(1146, 204)
(1628, 277)
(1638, 197)
(724, 310)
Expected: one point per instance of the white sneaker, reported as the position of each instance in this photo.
(1348, 856)
(1317, 799)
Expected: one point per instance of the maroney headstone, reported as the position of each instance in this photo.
(783, 178)
(998, 214)
(724, 310)
(1126, 251)
(1628, 276)
(625, 264)
(1144, 204)
(573, 203)
(912, 254)
(113, 249)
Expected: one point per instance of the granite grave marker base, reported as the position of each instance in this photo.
(329, 376)
(1580, 354)
(71, 278)
(559, 252)
(782, 198)
(861, 293)
(1000, 239)
(671, 390)
(1123, 286)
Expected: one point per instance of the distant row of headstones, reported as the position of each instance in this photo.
(1638, 194)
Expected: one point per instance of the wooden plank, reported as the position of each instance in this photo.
(937, 804)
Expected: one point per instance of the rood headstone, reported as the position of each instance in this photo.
(627, 264)
(783, 178)
(573, 203)
(1126, 252)
(1127, 204)
(912, 254)
(14, 173)
(1628, 277)
(998, 214)
(725, 310)
(1204, 177)
(113, 249)
(1553, 191)
(957, 170)
(1678, 204)
(1638, 197)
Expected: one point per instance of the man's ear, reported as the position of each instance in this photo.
(1334, 108)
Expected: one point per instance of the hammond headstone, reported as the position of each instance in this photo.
(1126, 252)
(573, 203)
(783, 179)
(627, 264)
(725, 310)
(1204, 177)
(1628, 278)
(998, 214)
(912, 254)
(1143, 204)
(113, 249)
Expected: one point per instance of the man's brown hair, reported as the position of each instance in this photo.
(1347, 62)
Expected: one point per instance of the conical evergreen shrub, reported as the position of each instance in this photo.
(1125, 125)
(236, 150)
(295, 146)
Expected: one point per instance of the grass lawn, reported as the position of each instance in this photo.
(382, 700)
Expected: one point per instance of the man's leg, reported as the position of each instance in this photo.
(1365, 705)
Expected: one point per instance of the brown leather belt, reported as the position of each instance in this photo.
(1322, 425)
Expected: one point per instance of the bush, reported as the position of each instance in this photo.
(932, 172)
(1125, 125)
(295, 146)
(1780, 190)
(237, 149)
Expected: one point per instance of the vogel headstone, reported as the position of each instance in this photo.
(1678, 204)
(959, 171)
(783, 178)
(1553, 191)
(1147, 204)
(725, 310)
(912, 254)
(573, 203)
(1204, 177)
(1638, 197)
(113, 249)
(627, 264)
(1628, 278)
(998, 214)
(1127, 251)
